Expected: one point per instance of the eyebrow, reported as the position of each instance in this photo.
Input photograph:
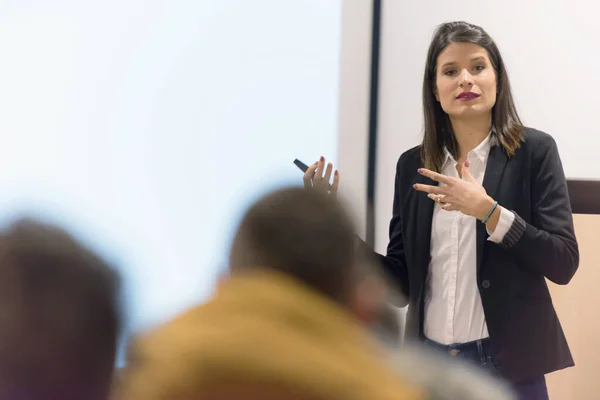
(479, 58)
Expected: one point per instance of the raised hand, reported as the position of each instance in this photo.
(318, 177)
(464, 194)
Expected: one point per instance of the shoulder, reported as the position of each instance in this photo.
(411, 158)
(407, 164)
(538, 150)
(537, 142)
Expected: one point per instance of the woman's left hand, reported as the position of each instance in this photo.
(464, 194)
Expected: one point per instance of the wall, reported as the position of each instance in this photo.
(353, 125)
(578, 307)
(146, 127)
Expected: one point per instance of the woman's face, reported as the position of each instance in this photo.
(465, 81)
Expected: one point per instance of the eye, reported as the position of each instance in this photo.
(450, 72)
(479, 68)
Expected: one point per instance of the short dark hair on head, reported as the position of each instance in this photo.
(59, 315)
(302, 233)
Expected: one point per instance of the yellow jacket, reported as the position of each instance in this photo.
(262, 329)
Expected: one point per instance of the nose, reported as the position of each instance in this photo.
(466, 79)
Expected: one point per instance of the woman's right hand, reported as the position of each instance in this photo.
(317, 177)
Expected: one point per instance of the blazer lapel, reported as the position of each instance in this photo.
(493, 175)
(424, 219)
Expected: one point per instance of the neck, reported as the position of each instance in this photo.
(469, 133)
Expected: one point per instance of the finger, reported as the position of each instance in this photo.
(429, 189)
(319, 171)
(328, 172)
(437, 197)
(320, 167)
(435, 176)
(447, 199)
(336, 183)
(449, 207)
(307, 178)
(465, 172)
(434, 197)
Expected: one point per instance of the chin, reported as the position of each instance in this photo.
(469, 111)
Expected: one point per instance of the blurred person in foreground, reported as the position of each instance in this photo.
(59, 316)
(293, 321)
(287, 323)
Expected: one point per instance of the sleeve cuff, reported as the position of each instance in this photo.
(505, 222)
(515, 232)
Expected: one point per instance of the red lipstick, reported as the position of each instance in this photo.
(467, 96)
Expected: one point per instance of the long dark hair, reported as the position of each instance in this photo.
(507, 129)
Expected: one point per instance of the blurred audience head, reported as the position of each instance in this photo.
(59, 310)
(309, 235)
(295, 278)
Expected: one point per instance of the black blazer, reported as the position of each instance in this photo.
(526, 338)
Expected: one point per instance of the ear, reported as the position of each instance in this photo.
(435, 92)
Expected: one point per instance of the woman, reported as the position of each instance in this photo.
(481, 217)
